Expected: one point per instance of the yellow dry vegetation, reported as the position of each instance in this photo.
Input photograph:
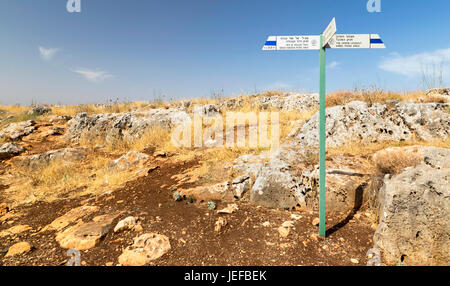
(356, 148)
(394, 162)
(372, 95)
(59, 178)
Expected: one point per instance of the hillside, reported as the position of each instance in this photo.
(111, 181)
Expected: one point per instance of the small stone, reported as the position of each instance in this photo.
(296, 217)
(316, 222)
(288, 224)
(18, 248)
(314, 236)
(283, 231)
(178, 196)
(109, 263)
(266, 224)
(354, 261)
(138, 228)
(221, 222)
(211, 205)
(127, 223)
(231, 208)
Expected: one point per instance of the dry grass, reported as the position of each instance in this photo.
(291, 119)
(14, 109)
(356, 148)
(156, 138)
(370, 96)
(394, 162)
(59, 178)
(100, 108)
(435, 98)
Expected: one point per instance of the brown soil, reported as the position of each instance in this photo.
(190, 228)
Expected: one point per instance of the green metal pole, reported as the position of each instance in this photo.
(322, 154)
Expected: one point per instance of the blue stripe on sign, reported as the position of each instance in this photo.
(271, 43)
(376, 41)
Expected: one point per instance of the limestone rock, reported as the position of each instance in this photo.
(358, 122)
(84, 236)
(127, 223)
(18, 248)
(129, 160)
(441, 93)
(15, 131)
(281, 101)
(67, 155)
(290, 101)
(241, 185)
(9, 150)
(231, 208)
(220, 223)
(15, 230)
(146, 248)
(218, 192)
(208, 110)
(60, 119)
(39, 110)
(415, 212)
(70, 217)
(122, 125)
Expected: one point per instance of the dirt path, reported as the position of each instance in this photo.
(190, 228)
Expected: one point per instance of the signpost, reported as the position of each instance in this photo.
(327, 40)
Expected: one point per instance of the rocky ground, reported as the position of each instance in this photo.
(83, 181)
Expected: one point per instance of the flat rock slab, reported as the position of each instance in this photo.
(70, 217)
(15, 131)
(18, 248)
(83, 235)
(18, 229)
(9, 150)
(146, 248)
(219, 192)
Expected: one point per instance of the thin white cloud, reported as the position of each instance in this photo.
(415, 65)
(47, 54)
(333, 65)
(94, 76)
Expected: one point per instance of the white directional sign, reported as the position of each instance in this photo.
(280, 43)
(329, 32)
(356, 41)
(345, 41)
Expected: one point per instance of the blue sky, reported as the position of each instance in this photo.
(136, 50)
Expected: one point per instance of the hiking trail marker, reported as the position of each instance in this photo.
(327, 40)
